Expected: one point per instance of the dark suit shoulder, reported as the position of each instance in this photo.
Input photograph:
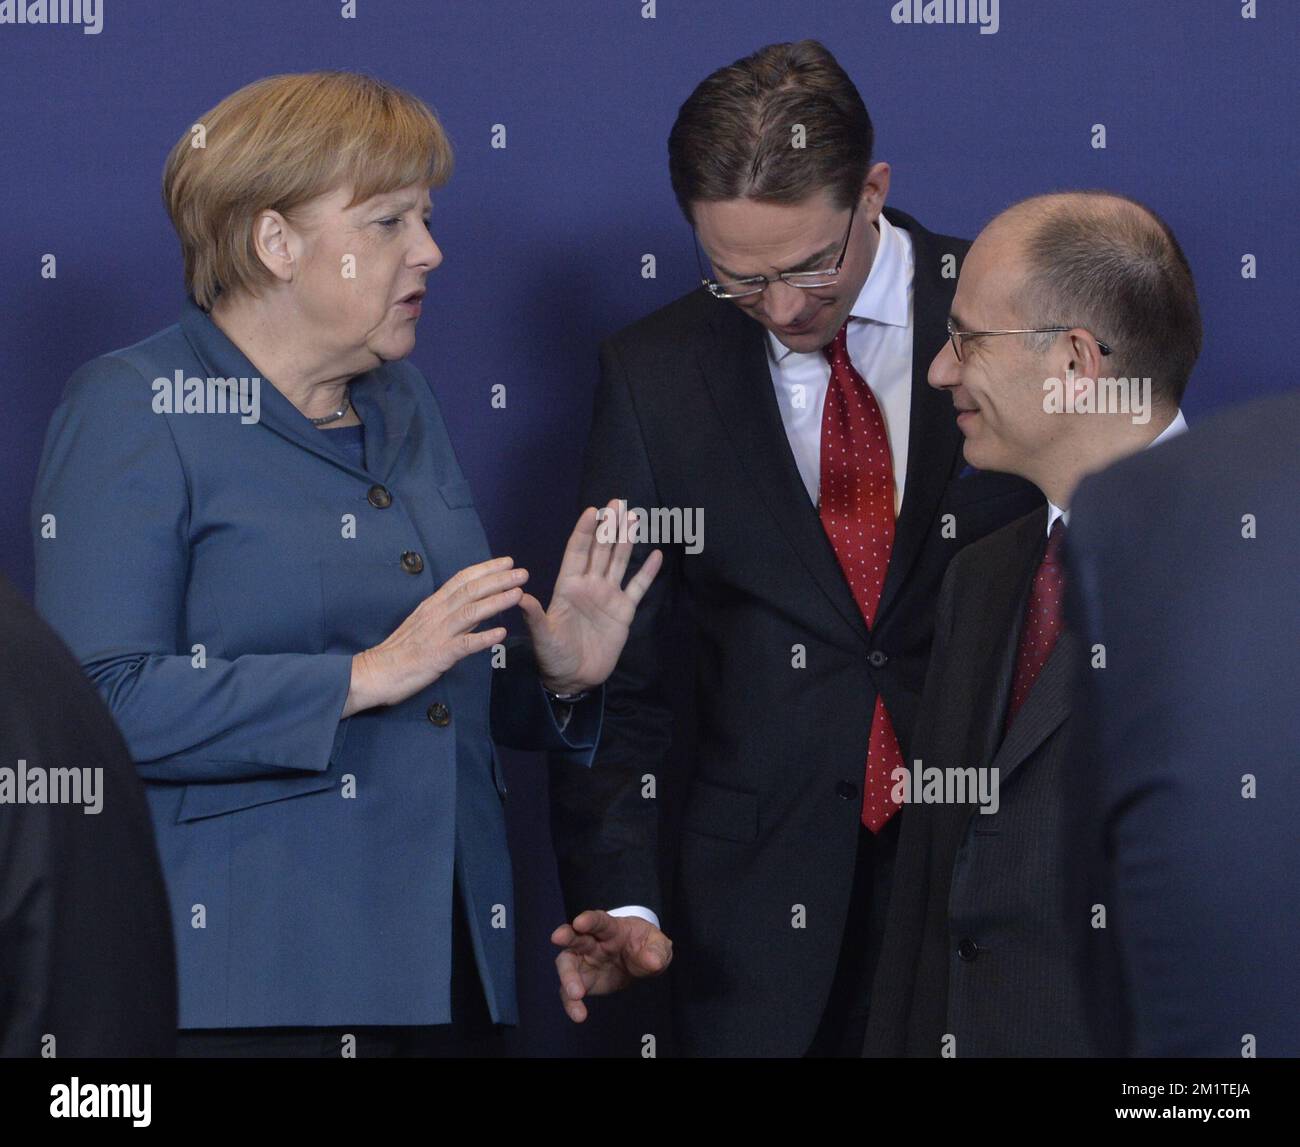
(685, 323)
(921, 233)
(928, 251)
(87, 946)
(1243, 447)
(1004, 544)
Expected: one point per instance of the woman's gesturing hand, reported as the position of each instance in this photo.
(578, 639)
(436, 635)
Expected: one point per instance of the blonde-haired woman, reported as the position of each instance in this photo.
(269, 561)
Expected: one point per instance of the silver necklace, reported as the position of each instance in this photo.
(341, 412)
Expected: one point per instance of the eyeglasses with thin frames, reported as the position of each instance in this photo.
(957, 337)
(756, 284)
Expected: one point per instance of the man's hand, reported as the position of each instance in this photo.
(603, 953)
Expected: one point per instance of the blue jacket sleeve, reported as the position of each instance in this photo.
(110, 517)
(524, 718)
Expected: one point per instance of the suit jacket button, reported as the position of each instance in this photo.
(439, 714)
(878, 658)
(412, 563)
(846, 790)
(968, 949)
(379, 497)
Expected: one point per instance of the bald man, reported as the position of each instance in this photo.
(1073, 332)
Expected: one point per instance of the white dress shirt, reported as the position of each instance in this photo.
(1175, 428)
(880, 348)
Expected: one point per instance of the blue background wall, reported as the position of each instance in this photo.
(543, 240)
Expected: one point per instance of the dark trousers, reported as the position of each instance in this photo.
(471, 1033)
(844, 1021)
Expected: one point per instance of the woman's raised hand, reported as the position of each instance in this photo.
(437, 634)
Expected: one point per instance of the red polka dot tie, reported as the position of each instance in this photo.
(856, 505)
(1043, 619)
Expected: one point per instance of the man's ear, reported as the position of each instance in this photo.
(1085, 355)
(875, 190)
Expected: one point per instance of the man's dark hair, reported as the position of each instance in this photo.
(734, 135)
(1111, 265)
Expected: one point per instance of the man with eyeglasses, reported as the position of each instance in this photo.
(788, 400)
(984, 951)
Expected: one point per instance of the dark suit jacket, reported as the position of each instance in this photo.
(85, 938)
(977, 945)
(1200, 627)
(686, 415)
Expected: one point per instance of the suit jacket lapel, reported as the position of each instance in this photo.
(1046, 707)
(738, 377)
(935, 441)
(1009, 581)
(388, 411)
(995, 629)
(1048, 703)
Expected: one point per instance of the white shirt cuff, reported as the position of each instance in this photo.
(635, 910)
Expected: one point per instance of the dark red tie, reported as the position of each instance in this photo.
(856, 505)
(1043, 619)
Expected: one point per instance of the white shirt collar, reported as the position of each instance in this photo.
(1175, 428)
(884, 297)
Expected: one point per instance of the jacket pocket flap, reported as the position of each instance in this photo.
(715, 811)
(214, 798)
(456, 493)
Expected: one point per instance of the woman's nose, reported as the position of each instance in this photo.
(429, 254)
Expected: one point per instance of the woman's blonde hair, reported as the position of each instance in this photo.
(279, 143)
